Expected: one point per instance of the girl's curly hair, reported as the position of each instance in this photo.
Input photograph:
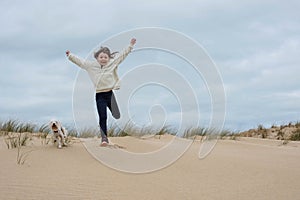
(106, 51)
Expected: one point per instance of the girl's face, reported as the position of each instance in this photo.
(103, 59)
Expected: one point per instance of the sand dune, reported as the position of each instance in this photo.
(240, 169)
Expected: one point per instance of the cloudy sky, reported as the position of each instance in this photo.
(254, 44)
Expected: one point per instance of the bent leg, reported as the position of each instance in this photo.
(113, 107)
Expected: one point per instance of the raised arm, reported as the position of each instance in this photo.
(125, 52)
(76, 60)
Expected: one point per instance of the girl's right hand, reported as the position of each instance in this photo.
(132, 41)
(67, 52)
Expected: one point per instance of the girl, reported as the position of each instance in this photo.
(103, 73)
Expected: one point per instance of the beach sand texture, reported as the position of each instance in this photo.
(235, 169)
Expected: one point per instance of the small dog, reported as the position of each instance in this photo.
(59, 133)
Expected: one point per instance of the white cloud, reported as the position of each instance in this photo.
(264, 86)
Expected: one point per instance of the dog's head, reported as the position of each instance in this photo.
(54, 125)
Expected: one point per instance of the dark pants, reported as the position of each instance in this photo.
(104, 100)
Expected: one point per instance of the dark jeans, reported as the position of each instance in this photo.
(104, 100)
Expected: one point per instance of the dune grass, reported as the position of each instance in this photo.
(43, 132)
(88, 132)
(287, 132)
(205, 133)
(22, 139)
(18, 140)
(16, 134)
(15, 126)
(296, 135)
(193, 132)
(15, 140)
(297, 124)
(130, 129)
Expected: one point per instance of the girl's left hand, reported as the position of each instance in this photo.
(133, 41)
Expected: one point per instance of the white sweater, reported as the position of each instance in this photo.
(105, 78)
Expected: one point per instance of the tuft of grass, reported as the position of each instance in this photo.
(18, 140)
(112, 130)
(88, 132)
(194, 132)
(73, 132)
(15, 126)
(209, 133)
(1, 131)
(280, 135)
(22, 156)
(126, 131)
(26, 128)
(116, 131)
(129, 129)
(264, 134)
(227, 134)
(262, 131)
(260, 127)
(165, 130)
(296, 135)
(21, 141)
(10, 126)
(273, 126)
(44, 131)
(155, 131)
(15, 140)
(234, 136)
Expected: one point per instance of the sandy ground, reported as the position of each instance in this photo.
(243, 169)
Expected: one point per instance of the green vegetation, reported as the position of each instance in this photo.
(296, 135)
(11, 127)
